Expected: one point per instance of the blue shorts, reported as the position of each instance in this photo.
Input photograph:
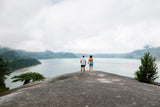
(90, 64)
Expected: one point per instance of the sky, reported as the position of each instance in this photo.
(80, 26)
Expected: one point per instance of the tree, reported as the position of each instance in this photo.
(27, 77)
(3, 72)
(148, 70)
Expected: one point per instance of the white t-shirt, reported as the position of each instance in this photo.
(83, 61)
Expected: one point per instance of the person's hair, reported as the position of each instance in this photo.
(90, 56)
(83, 56)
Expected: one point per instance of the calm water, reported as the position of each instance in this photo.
(53, 67)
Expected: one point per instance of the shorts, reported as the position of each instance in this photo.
(90, 64)
(82, 65)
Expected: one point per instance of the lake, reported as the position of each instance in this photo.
(54, 67)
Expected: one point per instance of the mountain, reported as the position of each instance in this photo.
(22, 63)
(47, 54)
(39, 55)
(137, 54)
(110, 55)
(16, 61)
(102, 55)
(65, 55)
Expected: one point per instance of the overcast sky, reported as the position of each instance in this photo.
(81, 26)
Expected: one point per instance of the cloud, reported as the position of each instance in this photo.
(86, 26)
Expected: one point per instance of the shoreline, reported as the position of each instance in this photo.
(24, 70)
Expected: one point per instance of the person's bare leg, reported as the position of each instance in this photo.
(92, 69)
(81, 69)
(84, 69)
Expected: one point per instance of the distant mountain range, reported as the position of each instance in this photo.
(18, 59)
(137, 54)
(38, 55)
(12, 54)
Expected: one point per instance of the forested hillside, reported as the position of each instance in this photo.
(19, 58)
(40, 55)
(16, 61)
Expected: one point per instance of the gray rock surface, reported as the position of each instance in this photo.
(98, 89)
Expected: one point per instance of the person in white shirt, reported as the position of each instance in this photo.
(83, 63)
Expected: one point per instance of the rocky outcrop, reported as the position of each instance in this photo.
(98, 89)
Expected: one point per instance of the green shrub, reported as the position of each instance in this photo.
(3, 73)
(148, 70)
(27, 77)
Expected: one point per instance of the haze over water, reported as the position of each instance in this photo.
(54, 67)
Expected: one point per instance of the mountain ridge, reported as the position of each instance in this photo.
(18, 59)
(137, 54)
(39, 55)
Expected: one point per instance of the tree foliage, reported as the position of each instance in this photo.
(27, 77)
(3, 72)
(22, 63)
(17, 61)
(148, 70)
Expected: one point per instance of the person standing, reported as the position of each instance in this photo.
(90, 62)
(83, 63)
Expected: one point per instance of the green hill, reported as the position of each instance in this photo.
(22, 63)
(19, 58)
(39, 55)
(16, 61)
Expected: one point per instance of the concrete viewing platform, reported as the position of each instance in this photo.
(97, 89)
